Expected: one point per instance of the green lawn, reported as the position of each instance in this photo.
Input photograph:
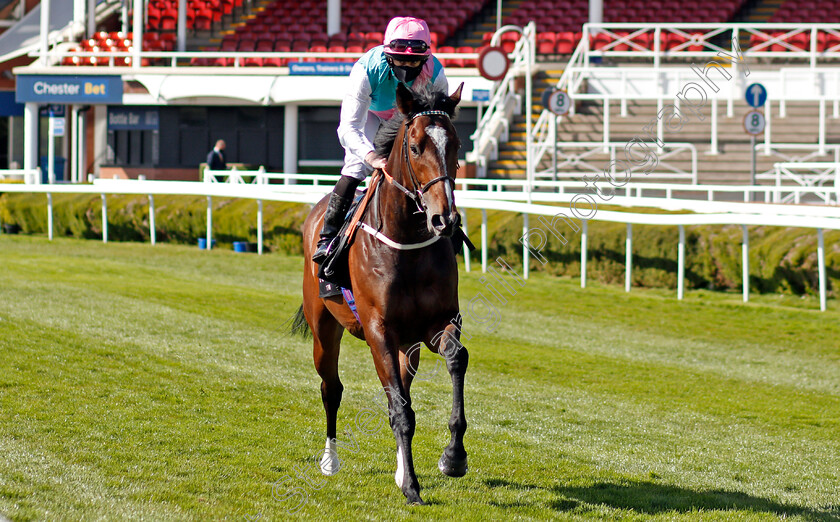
(157, 383)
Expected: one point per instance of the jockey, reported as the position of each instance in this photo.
(405, 57)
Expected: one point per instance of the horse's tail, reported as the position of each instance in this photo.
(298, 324)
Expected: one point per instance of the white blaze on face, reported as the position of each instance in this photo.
(438, 136)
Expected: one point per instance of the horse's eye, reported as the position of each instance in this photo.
(415, 150)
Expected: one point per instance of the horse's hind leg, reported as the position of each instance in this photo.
(453, 462)
(326, 346)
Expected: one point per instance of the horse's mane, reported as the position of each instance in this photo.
(426, 100)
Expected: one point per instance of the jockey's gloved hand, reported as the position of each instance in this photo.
(375, 161)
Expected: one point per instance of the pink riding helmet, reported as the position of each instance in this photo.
(410, 29)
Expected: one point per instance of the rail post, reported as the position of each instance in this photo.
(745, 262)
(49, 217)
(483, 241)
(209, 222)
(525, 257)
(152, 234)
(104, 219)
(681, 265)
(628, 258)
(583, 246)
(259, 227)
(821, 266)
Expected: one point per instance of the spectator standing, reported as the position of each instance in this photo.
(216, 157)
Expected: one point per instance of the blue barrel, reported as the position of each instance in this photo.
(202, 243)
(240, 246)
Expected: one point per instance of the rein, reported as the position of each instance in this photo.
(417, 194)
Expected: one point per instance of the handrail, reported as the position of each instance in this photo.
(487, 131)
(57, 55)
(819, 173)
(545, 190)
(762, 39)
(612, 147)
(29, 177)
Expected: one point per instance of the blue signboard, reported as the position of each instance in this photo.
(69, 89)
(481, 95)
(133, 118)
(8, 106)
(756, 95)
(320, 68)
(58, 126)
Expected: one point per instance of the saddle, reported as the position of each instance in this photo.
(335, 268)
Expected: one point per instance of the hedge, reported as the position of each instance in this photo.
(178, 219)
(782, 260)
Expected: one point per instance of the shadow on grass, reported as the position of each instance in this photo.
(652, 499)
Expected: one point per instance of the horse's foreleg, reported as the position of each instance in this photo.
(326, 347)
(387, 361)
(453, 462)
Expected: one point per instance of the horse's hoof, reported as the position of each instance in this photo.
(329, 461)
(452, 467)
(414, 500)
(329, 465)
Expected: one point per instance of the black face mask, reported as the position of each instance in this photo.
(406, 74)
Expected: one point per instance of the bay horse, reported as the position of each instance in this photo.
(406, 292)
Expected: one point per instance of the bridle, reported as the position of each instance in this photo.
(417, 192)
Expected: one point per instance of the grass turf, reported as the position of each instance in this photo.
(157, 383)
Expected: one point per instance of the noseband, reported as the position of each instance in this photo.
(417, 193)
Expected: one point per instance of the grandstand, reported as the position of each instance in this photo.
(208, 69)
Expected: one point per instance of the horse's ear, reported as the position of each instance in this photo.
(456, 96)
(405, 99)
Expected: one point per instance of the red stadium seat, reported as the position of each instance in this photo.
(467, 62)
(546, 43)
(822, 39)
(280, 48)
(446, 62)
(203, 20)
(621, 46)
(337, 39)
(565, 42)
(600, 40)
(318, 49)
(169, 20)
(318, 39)
(509, 40)
(375, 36)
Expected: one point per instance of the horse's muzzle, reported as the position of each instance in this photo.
(444, 225)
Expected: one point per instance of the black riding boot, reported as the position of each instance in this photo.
(340, 201)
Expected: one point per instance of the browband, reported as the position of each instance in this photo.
(429, 113)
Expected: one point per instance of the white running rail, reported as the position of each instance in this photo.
(259, 193)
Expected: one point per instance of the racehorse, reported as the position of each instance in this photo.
(404, 276)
